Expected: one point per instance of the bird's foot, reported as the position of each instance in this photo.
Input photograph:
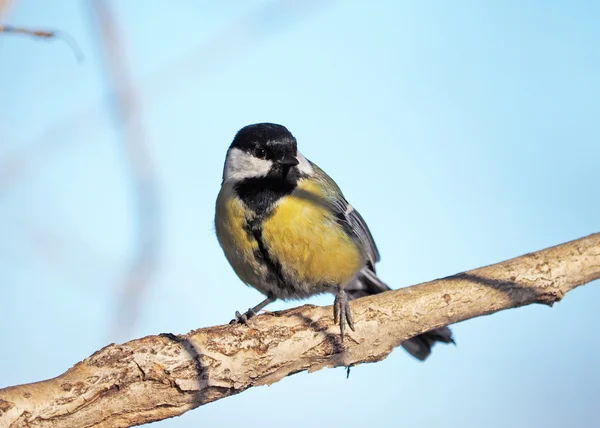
(341, 312)
(243, 318)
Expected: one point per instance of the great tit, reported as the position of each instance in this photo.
(287, 230)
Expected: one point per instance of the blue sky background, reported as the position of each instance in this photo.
(465, 132)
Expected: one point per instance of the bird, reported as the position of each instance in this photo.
(288, 231)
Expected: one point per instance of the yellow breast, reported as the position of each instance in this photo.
(307, 240)
(238, 246)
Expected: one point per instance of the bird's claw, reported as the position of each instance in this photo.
(341, 312)
(243, 318)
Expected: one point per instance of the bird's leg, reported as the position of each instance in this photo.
(243, 318)
(341, 311)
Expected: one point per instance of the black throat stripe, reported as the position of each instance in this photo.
(260, 194)
(261, 254)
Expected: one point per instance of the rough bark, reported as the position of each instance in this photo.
(157, 377)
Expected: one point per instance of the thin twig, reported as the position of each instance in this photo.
(46, 34)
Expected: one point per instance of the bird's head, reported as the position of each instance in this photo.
(264, 150)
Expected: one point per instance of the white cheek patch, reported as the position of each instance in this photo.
(240, 165)
(304, 165)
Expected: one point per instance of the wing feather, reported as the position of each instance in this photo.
(347, 215)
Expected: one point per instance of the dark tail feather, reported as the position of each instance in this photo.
(420, 346)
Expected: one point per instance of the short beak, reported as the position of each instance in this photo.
(288, 161)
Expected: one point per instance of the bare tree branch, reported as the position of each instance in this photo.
(157, 377)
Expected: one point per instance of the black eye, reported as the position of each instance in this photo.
(260, 153)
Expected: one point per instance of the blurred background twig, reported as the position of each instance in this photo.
(127, 117)
(252, 28)
(44, 34)
(5, 6)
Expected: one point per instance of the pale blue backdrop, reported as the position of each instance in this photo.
(466, 133)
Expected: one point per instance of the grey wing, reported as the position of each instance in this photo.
(360, 228)
(366, 282)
